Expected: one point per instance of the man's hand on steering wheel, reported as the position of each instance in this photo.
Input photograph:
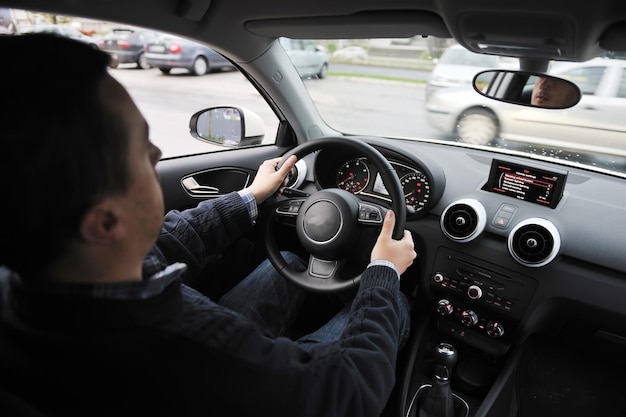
(400, 252)
(269, 179)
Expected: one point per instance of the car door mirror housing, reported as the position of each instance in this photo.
(531, 89)
(227, 126)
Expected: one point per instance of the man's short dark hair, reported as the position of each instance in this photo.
(61, 148)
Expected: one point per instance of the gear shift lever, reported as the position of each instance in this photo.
(445, 354)
(438, 401)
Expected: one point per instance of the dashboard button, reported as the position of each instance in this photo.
(474, 292)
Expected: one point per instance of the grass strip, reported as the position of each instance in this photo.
(378, 77)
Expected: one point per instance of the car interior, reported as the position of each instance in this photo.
(518, 292)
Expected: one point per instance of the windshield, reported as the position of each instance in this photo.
(392, 91)
(416, 88)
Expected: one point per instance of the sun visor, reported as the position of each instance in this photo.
(614, 39)
(390, 24)
(519, 34)
(193, 9)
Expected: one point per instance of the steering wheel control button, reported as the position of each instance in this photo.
(370, 214)
(289, 208)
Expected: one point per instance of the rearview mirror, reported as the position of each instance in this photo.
(527, 88)
(228, 126)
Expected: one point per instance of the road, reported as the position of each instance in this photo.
(168, 102)
(396, 110)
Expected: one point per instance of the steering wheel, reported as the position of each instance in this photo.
(329, 222)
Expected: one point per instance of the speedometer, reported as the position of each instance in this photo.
(353, 175)
(416, 190)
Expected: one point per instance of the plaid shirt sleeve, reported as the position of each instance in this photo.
(250, 202)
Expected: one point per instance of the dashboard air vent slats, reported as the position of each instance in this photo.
(534, 242)
(463, 220)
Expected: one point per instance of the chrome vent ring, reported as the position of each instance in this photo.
(534, 242)
(464, 220)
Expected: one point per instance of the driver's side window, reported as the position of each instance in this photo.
(168, 101)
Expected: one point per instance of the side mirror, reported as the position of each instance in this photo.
(227, 126)
(527, 88)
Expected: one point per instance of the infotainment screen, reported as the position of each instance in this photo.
(526, 183)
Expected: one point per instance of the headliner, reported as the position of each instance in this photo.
(243, 29)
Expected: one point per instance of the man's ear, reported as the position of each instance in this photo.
(100, 224)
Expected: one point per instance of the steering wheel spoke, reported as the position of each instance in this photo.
(287, 211)
(322, 269)
(321, 275)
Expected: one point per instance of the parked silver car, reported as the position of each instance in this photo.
(310, 59)
(126, 46)
(475, 119)
(169, 52)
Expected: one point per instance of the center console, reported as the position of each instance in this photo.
(476, 308)
(478, 303)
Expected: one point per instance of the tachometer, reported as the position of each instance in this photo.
(416, 190)
(353, 175)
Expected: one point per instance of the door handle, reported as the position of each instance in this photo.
(193, 188)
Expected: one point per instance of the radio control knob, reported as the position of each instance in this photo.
(495, 329)
(438, 277)
(469, 318)
(474, 292)
(444, 307)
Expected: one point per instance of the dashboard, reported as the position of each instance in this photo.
(583, 204)
(502, 238)
(530, 261)
(478, 222)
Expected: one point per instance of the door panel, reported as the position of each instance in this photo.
(173, 171)
(225, 269)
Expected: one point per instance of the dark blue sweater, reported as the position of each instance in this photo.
(179, 353)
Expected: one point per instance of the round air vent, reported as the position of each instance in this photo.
(534, 242)
(463, 220)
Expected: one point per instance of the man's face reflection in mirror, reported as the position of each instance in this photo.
(551, 92)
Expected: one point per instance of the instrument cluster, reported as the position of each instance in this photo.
(359, 176)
